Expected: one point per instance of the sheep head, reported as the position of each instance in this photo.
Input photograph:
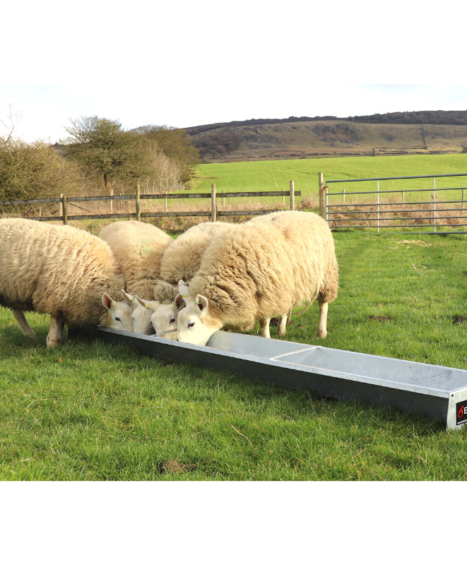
(118, 314)
(164, 319)
(195, 324)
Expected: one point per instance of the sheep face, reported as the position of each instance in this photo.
(141, 317)
(141, 313)
(164, 318)
(118, 314)
(195, 325)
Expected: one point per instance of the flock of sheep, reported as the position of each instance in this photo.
(214, 275)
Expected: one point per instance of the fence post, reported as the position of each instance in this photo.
(223, 199)
(434, 204)
(60, 206)
(112, 202)
(165, 203)
(378, 206)
(343, 196)
(65, 214)
(138, 203)
(463, 198)
(292, 195)
(321, 194)
(213, 203)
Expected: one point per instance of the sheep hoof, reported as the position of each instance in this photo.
(321, 335)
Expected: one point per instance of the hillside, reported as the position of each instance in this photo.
(299, 138)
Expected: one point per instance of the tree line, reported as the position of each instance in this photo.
(98, 155)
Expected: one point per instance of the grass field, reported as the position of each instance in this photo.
(275, 175)
(95, 411)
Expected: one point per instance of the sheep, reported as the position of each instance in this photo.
(180, 261)
(138, 249)
(259, 270)
(62, 271)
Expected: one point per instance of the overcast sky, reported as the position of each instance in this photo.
(185, 64)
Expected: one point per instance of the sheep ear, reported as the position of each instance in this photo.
(152, 306)
(179, 302)
(141, 301)
(201, 302)
(107, 301)
(128, 298)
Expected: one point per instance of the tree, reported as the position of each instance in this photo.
(107, 152)
(175, 144)
(34, 170)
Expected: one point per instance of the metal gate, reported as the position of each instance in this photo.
(434, 209)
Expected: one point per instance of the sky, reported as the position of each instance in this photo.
(192, 63)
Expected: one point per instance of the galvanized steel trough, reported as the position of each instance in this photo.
(438, 392)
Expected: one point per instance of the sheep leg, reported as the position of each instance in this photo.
(55, 331)
(23, 324)
(264, 325)
(323, 317)
(283, 325)
(60, 327)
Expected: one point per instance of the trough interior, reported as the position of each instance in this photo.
(381, 368)
(252, 345)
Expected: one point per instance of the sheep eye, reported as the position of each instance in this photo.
(191, 324)
(172, 320)
(117, 319)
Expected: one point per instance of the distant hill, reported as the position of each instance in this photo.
(305, 137)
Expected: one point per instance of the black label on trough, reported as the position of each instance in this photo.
(461, 413)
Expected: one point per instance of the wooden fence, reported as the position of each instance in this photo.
(64, 202)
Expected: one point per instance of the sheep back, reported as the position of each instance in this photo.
(138, 249)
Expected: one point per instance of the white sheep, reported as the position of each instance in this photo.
(259, 270)
(62, 271)
(138, 248)
(181, 260)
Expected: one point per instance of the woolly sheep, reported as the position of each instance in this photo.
(180, 261)
(62, 271)
(260, 270)
(138, 249)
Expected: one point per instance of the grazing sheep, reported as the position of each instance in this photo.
(180, 261)
(259, 270)
(62, 271)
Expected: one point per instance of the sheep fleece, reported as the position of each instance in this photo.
(138, 249)
(183, 258)
(56, 270)
(264, 268)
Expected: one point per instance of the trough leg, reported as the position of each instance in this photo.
(23, 324)
(264, 325)
(323, 317)
(55, 332)
(283, 325)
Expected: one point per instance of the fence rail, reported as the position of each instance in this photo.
(65, 201)
(373, 214)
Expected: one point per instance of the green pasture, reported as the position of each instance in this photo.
(94, 411)
(276, 175)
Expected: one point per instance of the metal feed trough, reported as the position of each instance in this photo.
(438, 392)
